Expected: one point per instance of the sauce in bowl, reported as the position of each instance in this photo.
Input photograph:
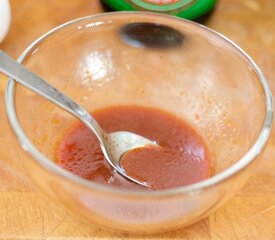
(181, 159)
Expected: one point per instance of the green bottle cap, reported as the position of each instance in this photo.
(189, 9)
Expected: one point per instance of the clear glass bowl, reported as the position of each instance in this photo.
(208, 81)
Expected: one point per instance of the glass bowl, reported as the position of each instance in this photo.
(207, 80)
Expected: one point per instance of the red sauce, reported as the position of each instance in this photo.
(182, 158)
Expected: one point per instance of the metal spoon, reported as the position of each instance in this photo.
(113, 145)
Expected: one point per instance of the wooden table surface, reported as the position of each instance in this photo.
(27, 214)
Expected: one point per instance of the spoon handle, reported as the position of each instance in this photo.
(22, 75)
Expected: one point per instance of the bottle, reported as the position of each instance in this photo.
(189, 9)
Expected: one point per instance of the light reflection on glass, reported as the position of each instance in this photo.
(96, 67)
(93, 24)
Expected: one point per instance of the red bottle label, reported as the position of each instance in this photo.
(161, 2)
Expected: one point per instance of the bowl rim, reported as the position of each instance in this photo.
(50, 166)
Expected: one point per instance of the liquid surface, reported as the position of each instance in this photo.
(182, 158)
